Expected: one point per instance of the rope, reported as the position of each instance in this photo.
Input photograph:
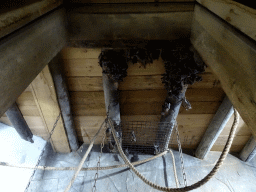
(187, 188)
(174, 168)
(83, 159)
(45, 168)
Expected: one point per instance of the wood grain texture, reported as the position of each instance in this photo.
(13, 19)
(148, 26)
(24, 53)
(231, 56)
(135, 83)
(145, 102)
(238, 15)
(90, 67)
(46, 99)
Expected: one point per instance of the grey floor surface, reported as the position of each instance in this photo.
(234, 175)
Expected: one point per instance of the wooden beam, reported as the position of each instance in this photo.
(46, 100)
(129, 26)
(111, 98)
(231, 56)
(249, 150)
(19, 123)
(133, 8)
(12, 17)
(24, 54)
(240, 16)
(169, 118)
(216, 126)
(126, 1)
(64, 100)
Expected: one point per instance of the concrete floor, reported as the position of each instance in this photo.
(234, 175)
(15, 150)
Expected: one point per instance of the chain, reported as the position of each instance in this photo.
(41, 155)
(98, 164)
(181, 156)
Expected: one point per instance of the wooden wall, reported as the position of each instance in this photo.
(142, 95)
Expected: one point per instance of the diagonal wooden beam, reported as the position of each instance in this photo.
(216, 126)
(234, 13)
(60, 85)
(24, 53)
(19, 123)
(46, 99)
(231, 56)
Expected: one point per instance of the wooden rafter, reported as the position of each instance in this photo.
(46, 99)
(231, 56)
(24, 54)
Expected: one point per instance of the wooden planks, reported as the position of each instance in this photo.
(78, 67)
(145, 102)
(14, 18)
(46, 99)
(191, 128)
(238, 15)
(24, 53)
(231, 56)
(134, 83)
(141, 98)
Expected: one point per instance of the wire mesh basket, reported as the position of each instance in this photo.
(142, 136)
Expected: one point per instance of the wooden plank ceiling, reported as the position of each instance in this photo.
(142, 95)
(141, 98)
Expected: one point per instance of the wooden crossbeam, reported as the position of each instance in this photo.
(240, 16)
(25, 53)
(87, 26)
(216, 126)
(231, 56)
(15, 15)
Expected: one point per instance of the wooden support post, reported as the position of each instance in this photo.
(213, 131)
(170, 117)
(25, 52)
(64, 101)
(111, 95)
(249, 150)
(45, 97)
(181, 69)
(19, 123)
(114, 69)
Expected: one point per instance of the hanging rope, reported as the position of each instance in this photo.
(131, 165)
(45, 168)
(174, 168)
(187, 188)
(83, 159)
